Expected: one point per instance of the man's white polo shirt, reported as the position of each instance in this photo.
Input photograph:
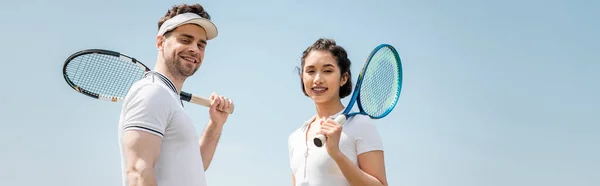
(312, 165)
(153, 105)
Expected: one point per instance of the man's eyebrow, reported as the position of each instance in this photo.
(188, 36)
(192, 37)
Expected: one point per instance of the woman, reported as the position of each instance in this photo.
(353, 153)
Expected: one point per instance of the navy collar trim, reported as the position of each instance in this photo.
(165, 80)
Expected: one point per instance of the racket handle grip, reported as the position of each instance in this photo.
(207, 103)
(201, 101)
(319, 140)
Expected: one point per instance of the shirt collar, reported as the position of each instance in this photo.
(315, 116)
(165, 80)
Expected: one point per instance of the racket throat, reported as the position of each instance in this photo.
(341, 119)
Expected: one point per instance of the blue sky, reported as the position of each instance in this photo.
(495, 93)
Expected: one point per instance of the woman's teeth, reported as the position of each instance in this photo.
(319, 89)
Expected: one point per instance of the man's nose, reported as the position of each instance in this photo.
(193, 50)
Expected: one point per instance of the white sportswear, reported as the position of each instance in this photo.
(152, 105)
(312, 165)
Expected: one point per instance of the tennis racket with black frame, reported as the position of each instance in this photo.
(108, 75)
(377, 88)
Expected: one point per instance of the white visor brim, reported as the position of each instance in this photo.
(186, 18)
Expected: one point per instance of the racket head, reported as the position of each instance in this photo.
(102, 74)
(380, 82)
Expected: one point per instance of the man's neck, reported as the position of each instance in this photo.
(177, 81)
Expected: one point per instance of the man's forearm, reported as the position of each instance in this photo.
(208, 142)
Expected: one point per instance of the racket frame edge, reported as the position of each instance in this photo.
(399, 70)
(96, 51)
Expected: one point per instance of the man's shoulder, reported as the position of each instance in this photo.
(147, 88)
(146, 81)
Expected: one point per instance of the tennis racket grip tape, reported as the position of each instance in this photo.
(202, 101)
(319, 140)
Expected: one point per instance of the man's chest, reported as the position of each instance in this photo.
(181, 127)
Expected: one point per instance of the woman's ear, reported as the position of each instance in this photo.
(344, 79)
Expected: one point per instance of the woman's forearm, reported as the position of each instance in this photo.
(354, 175)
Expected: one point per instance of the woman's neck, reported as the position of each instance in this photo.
(327, 109)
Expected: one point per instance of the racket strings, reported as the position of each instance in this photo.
(105, 75)
(379, 89)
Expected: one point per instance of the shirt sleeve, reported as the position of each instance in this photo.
(147, 109)
(290, 146)
(367, 136)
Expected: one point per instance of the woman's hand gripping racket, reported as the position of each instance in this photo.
(377, 89)
(108, 75)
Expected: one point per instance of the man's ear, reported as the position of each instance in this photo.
(344, 79)
(159, 42)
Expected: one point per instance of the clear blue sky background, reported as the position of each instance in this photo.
(496, 93)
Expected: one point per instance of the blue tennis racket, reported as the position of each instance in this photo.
(377, 89)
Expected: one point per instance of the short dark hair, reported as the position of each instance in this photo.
(340, 55)
(183, 8)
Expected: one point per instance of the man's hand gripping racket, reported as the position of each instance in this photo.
(377, 89)
(108, 75)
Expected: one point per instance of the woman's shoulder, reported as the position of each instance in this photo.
(301, 128)
(362, 128)
(358, 124)
(359, 120)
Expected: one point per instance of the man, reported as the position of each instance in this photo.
(157, 138)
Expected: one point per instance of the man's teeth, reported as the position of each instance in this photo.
(189, 59)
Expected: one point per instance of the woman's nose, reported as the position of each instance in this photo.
(318, 79)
